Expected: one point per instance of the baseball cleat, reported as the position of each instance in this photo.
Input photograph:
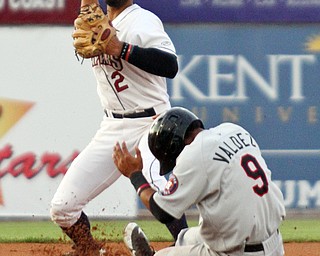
(137, 242)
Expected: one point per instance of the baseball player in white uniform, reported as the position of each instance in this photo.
(222, 172)
(131, 83)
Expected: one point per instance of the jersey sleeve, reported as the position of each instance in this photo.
(187, 184)
(149, 33)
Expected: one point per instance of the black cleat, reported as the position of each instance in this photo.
(137, 242)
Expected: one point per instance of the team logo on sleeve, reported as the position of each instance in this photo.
(171, 185)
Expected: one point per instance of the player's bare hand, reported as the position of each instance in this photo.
(114, 46)
(126, 163)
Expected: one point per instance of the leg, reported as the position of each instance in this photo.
(89, 174)
(138, 244)
(81, 235)
(190, 250)
(176, 226)
(189, 236)
(190, 243)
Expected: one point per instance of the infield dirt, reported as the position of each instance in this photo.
(119, 249)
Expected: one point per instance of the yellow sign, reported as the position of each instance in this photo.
(11, 111)
(313, 44)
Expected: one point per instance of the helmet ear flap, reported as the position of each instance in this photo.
(166, 136)
(176, 146)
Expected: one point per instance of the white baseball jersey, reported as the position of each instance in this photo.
(223, 173)
(123, 87)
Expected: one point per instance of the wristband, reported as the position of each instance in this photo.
(142, 187)
(126, 51)
(137, 179)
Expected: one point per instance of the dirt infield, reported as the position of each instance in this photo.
(118, 249)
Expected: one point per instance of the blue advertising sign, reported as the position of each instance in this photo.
(234, 10)
(265, 78)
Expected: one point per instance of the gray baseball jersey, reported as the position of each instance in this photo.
(223, 173)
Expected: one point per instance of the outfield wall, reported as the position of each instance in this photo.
(264, 77)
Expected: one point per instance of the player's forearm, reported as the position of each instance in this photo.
(151, 60)
(146, 193)
(142, 186)
(145, 197)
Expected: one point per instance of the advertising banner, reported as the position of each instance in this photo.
(265, 78)
(171, 11)
(26, 12)
(38, 11)
(49, 111)
(185, 11)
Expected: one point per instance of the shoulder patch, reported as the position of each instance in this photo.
(171, 185)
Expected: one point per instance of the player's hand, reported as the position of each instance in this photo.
(126, 163)
(114, 47)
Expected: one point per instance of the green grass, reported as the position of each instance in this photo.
(301, 230)
(111, 230)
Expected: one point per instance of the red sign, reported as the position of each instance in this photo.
(38, 11)
(29, 165)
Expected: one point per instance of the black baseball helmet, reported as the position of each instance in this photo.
(166, 136)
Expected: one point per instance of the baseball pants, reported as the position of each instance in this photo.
(93, 170)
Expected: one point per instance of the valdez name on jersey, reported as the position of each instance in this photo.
(230, 146)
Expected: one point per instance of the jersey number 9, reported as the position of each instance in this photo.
(253, 170)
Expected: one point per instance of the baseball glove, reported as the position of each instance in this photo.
(93, 31)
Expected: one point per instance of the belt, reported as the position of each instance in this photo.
(271, 242)
(138, 114)
(253, 248)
